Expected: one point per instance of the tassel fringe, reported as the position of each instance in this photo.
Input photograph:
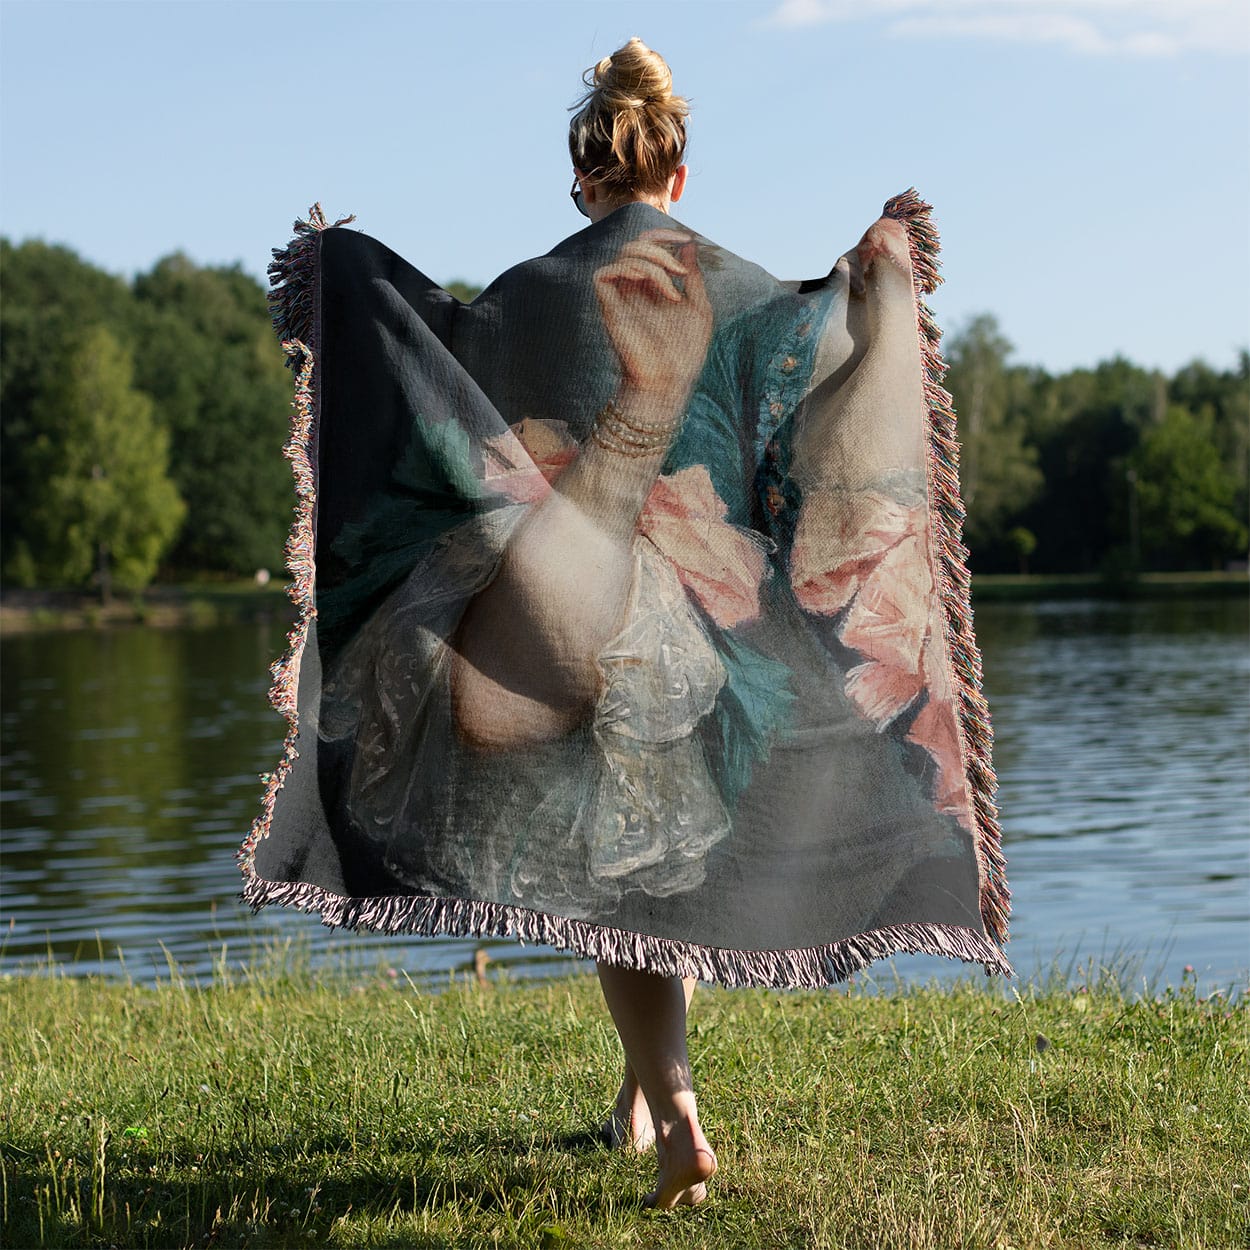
(947, 508)
(809, 968)
(294, 303)
(294, 297)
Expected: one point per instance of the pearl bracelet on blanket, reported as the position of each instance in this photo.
(613, 431)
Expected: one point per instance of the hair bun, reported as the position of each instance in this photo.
(633, 76)
(630, 129)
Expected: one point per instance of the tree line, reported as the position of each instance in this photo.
(142, 423)
(1112, 470)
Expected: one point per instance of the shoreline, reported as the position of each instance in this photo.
(172, 606)
(201, 605)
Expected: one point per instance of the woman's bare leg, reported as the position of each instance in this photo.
(629, 1124)
(650, 1015)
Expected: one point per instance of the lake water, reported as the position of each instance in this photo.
(1122, 738)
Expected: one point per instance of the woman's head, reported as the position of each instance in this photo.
(628, 136)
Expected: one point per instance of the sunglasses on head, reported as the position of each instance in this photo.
(576, 196)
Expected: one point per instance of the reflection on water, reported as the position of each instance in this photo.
(131, 760)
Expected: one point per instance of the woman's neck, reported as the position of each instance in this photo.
(602, 208)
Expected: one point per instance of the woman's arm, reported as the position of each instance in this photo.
(523, 663)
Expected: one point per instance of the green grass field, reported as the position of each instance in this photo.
(291, 1109)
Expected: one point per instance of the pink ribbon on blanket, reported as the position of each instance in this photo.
(866, 552)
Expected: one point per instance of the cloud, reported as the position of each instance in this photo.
(1134, 28)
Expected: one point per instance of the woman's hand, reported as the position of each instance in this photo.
(660, 333)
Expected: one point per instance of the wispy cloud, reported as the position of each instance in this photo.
(1138, 28)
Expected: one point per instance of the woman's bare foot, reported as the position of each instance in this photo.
(629, 1125)
(686, 1165)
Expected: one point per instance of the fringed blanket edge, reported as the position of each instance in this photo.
(954, 579)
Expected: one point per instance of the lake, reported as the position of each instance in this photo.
(1122, 733)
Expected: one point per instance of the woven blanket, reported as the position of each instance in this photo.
(634, 615)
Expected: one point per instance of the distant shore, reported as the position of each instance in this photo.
(164, 606)
(995, 587)
(200, 604)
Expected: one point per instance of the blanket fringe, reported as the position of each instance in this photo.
(808, 968)
(293, 297)
(955, 584)
(293, 303)
(294, 306)
(300, 548)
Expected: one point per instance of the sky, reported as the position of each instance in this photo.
(1088, 160)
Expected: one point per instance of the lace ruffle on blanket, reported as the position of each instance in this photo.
(641, 811)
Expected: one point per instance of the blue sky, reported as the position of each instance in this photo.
(1089, 160)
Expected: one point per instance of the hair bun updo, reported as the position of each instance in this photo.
(629, 133)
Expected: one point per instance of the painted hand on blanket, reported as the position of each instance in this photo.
(660, 329)
(884, 241)
(524, 668)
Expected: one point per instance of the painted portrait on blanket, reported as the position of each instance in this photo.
(631, 614)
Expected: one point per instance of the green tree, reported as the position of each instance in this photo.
(105, 507)
(1186, 494)
(1085, 424)
(1023, 542)
(208, 357)
(51, 298)
(998, 470)
(465, 292)
(1223, 398)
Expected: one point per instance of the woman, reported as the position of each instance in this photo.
(627, 144)
(638, 625)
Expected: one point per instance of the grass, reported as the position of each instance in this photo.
(291, 1108)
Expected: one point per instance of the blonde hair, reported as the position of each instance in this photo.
(629, 133)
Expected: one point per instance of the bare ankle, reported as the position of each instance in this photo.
(629, 1122)
(687, 1163)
